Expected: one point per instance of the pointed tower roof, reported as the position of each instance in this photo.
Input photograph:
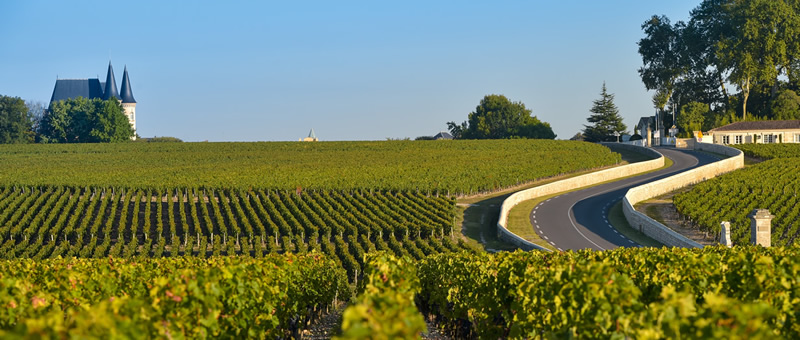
(125, 91)
(311, 134)
(111, 84)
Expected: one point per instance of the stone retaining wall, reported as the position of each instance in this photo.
(653, 228)
(572, 183)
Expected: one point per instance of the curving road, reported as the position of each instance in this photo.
(579, 219)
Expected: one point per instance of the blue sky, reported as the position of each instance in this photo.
(268, 70)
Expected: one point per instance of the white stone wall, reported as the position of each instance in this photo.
(568, 184)
(653, 228)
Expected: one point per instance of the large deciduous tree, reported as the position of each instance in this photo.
(750, 45)
(786, 105)
(605, 119)
(661, 51)
(15, 124)
(497, 117)
(82, 120)
(692, 116)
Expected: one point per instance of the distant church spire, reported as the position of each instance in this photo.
(125, 91)
(111, 84)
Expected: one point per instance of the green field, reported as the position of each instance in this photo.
(453, 167)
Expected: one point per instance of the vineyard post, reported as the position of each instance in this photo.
(355, 278)
(225, 239)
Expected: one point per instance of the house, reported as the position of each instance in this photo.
(650, 130)
(762, 132)
(442, 135)
(92, 88)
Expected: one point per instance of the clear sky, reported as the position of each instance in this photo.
(367, 70)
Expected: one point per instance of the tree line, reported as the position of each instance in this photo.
(732, 60)
(77, 120)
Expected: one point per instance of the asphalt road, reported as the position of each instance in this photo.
(579, 219)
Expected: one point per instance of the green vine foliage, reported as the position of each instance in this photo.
(223, 297)
(385, 308)
(714, 292)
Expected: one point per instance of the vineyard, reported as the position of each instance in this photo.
(450, 167)
(772, 184)
(770, 151)
(640, 293)
(239, 240)
(48, 222)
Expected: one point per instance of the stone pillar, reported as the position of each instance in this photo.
(725, 234)
(760, 227)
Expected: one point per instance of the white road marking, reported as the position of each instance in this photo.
(576, 227)
(559, 249)
(553, 244)
(545, 237)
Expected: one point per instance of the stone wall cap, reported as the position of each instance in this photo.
(761, 213)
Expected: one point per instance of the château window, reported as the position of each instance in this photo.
(737, 139)
(769, 139)
(797, 137)
(726, 139)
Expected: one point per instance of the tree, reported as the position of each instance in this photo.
(751, 44)
(786, 106)
(81, 120)
(661, 52)
(15, 125)
(497, 117)
(692, 116)
(36, 112)
(457, 131)
(605, 118)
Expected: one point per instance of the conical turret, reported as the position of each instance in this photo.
(125, 91)
(111, 84)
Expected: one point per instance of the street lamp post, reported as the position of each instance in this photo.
(616, 134)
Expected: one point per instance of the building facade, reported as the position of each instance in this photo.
(762, 132)
(92, 88)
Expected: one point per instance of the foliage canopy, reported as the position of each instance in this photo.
(497, 117)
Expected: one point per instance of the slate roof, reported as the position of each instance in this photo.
(761, 125)
(111, 84)
(126, 95)
(74, 88)
(443, 135)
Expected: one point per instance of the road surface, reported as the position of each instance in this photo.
(579, 219)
